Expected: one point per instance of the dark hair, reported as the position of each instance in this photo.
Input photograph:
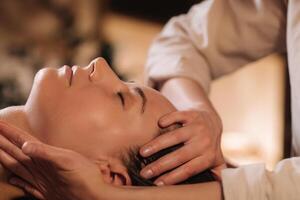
(134, 163)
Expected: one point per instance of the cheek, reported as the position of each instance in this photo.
(90, 140)
(77, 105)
(86, 128)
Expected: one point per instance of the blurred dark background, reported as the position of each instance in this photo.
(156, 10)
(51, 33)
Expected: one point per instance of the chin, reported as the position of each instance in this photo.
(46, 75)
(46, 89)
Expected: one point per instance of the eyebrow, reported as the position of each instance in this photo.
(141, 93)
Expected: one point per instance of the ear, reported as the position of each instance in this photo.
(114, 172)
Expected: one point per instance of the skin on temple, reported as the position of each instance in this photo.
(94, 107)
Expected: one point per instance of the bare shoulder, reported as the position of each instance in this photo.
(11, 114)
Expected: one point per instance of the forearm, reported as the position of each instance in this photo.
(185, 94)
(211, 190)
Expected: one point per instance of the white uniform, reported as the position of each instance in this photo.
(217, 37)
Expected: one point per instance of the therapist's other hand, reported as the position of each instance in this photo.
(61, 173)
(45, 171)
(200, 134)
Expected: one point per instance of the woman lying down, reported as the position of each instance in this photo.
(91, 112)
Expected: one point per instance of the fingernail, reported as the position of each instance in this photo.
(147, 174)
(27, 148)
(159, 183)
(146, 151)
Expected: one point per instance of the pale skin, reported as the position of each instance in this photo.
(53, 115)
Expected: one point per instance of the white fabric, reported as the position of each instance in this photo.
(254, 182)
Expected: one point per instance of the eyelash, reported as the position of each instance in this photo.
(121, 97)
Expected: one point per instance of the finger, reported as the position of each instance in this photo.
(184, 172)
(14, 134)
(60, 158)
(14, 166)
(163, 141)
(27, 187)
(177, 117)
(14, 160)
(168, 162)
(13, 150)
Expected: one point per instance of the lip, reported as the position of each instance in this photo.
(69, 74)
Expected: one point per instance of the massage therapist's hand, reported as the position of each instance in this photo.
(200, 134)
(48, 172)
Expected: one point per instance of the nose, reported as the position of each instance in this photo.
(102, 74)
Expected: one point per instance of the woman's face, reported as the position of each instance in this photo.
(91, 111)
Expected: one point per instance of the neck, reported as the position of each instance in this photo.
(16, 116)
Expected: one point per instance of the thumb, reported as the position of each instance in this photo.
(57, 156)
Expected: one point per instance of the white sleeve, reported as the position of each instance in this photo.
(214, 38)
(254, 182)
(293, 45)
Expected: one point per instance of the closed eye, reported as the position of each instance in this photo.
(121, 96)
